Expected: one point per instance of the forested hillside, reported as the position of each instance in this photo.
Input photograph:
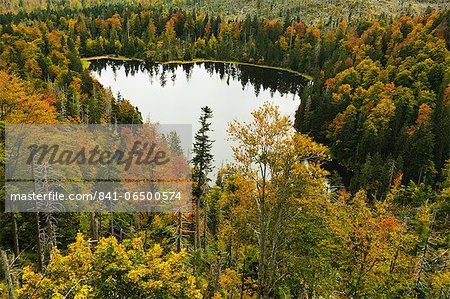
(305, 10)
(374, 125)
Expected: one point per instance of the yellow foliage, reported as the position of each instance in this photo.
(112, 269)
(19, 104)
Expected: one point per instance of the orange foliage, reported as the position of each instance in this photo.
(424, 114)
(20, 104)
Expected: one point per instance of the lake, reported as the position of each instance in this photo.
(175, 93)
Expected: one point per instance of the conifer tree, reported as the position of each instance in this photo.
(202, 162)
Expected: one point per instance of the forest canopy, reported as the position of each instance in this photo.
(350, 200)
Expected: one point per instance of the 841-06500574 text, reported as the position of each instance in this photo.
(100, 196)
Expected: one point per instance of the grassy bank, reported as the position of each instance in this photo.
(237, 62)
(86, 62)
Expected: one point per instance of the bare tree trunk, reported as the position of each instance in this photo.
(94, 227)
(100, 226)
(15, 236)
(179, 230)
(262, 256)
(197, 224)
(38, 243)
(8, 277)
(51, 235)
(422, 261)
(262, 239)
(37, 227)
(112, 224)
(205, 222)
(50, 227)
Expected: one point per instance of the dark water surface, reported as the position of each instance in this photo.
(174, 93)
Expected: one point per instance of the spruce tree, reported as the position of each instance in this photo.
(202, 162)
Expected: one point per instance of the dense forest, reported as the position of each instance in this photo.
(373, 126)
(307, 10)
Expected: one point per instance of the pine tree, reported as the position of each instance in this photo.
(202, 163)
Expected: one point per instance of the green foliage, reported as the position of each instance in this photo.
(202, 160)
(270, 226)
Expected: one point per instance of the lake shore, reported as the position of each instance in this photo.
(86, 62)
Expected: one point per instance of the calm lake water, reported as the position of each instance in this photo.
(175, 93)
